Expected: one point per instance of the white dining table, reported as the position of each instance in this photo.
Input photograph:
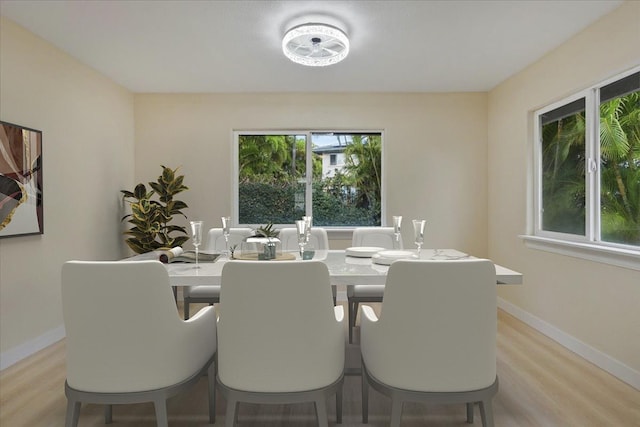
(343, 269)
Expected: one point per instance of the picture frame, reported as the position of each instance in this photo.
(21, 181)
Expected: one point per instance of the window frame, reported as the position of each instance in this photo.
(538, 167)
(590, 246)
(339, 232)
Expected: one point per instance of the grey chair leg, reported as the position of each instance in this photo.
(396, 412)
(211, 374)
(73, 413)
(486, 412)
(470, 412)
(339, 406)
(353, 314)
(321, 412)
(232, 412)
(186, 309)
(350, 326)
(365, 395)
(161, 412)
(108, 414)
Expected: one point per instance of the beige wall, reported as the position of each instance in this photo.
(434, 150)
(87, 125)
(595, 303)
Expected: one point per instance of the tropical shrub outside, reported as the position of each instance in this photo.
(272, 179)
(565, 163)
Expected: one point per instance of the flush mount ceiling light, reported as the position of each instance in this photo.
(315, 45)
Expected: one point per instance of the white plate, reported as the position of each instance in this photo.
(362, 251)
(387, 257)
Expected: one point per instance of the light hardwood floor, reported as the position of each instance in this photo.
(541, 384)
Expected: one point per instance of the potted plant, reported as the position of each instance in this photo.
(150, 219)
(267, 237)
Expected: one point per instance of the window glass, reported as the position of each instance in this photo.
(271, 178)
(334, 177)
(587, 184)
(347, 193)
(620, 161)
(563, 169)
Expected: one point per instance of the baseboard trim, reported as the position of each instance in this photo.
(16, 354)
(597, 357)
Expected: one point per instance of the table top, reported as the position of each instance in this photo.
(343, 269)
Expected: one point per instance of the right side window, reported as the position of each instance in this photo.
(588, 166)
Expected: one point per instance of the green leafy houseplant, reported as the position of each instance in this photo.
(150, 220)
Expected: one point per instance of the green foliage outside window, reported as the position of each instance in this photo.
(563, 180)
(271, 182)
(262, 200)
(563, 189)
(620, 169)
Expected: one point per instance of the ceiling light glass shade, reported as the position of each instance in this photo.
(315, 45)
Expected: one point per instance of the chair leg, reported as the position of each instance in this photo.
(339, 405)
(108, 414)
(470, 412)
(73, 413)
(232, 412)
(486, 413)
(350, 327)
(211, 374)
(353, 314)
(321, 412)
(396, 412)
(365, 395)
(161, 412)
(186, 309)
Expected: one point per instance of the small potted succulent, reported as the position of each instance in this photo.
(266, 238)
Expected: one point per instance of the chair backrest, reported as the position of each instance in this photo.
(318, 240)
(277, 331)
(376, 236)
(215, 239)
(123, 332)
(437, 328)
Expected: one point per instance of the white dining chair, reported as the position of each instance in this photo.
(383, 237)
(318, 239)
(210, 294)
(124, 342)
(435, 340)
(273, 349)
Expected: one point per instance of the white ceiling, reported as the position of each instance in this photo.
(235, 46)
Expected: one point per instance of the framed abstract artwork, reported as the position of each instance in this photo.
(21, 208)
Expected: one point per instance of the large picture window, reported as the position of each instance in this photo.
(336, 177)
(588, 166)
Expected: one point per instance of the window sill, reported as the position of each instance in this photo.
(599, 253)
